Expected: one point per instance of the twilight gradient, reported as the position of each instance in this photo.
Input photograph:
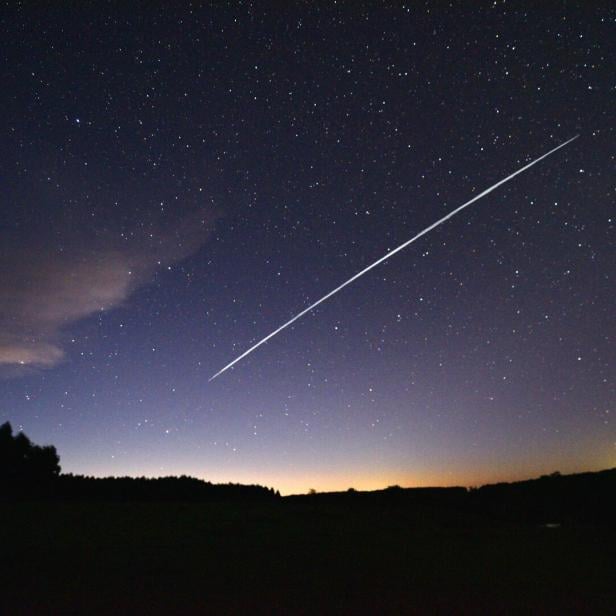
(179, 182)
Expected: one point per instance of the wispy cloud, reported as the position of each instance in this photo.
(50, 278)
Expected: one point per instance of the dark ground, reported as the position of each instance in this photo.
(303, 556)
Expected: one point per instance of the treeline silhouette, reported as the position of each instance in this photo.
(29, 471)
(183, 488)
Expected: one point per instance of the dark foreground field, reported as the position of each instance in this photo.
(305, 556)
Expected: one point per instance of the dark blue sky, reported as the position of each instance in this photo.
(178, 182)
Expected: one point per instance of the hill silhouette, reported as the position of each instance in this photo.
(549, 499)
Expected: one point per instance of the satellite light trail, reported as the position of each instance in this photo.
(390, 254)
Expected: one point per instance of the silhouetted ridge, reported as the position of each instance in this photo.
(557, 499)
(551, 498)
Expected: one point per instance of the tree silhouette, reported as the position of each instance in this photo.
(25, 468)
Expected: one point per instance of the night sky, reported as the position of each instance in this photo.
(178, 182)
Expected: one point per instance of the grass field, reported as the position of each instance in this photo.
(292, 557)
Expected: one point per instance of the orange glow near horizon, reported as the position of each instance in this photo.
(303, 482)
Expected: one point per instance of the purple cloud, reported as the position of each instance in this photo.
(51, 278)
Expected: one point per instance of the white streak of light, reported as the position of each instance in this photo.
(391, 254)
